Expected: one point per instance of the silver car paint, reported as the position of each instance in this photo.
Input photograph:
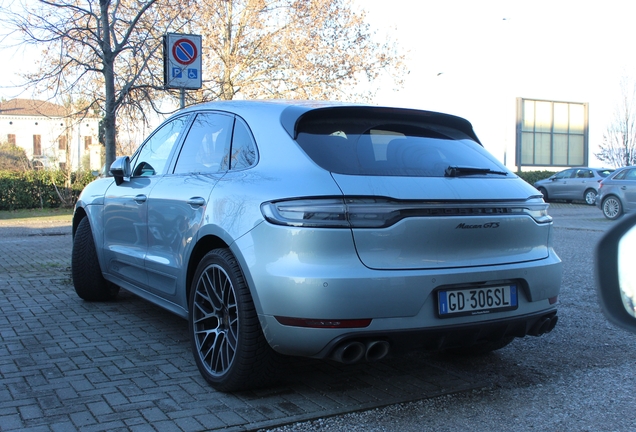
(625, 190)
(571, 188)
(315, 273)
(432, 242)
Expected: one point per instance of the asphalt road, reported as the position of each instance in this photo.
(70, 365)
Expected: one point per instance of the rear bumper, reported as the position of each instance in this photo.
(457, 336)
(435, 339)
(330, 283)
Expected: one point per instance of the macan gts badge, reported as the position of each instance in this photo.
(318, 229)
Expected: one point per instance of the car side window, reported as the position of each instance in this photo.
(564, 174)
(631, 175)
(153, 155)
(621, 175)
(243, 147)
(207, 145)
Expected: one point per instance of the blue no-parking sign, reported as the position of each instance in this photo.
(182, 61)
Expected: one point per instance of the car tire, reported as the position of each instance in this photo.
(88, 281)
(544, 193)
(481, 348)
(590, 197)
(228, 344)
(612, 207)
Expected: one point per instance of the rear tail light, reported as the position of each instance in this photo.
(332, 213)
(382, 212)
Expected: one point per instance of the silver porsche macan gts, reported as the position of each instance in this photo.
(319, 229)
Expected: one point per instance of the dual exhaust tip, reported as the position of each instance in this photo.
(354, 351)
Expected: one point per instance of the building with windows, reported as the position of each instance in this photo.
(51, 137)
(551, 134)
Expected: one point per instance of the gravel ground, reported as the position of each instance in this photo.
(580, 377)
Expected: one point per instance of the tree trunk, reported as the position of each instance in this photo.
(108, 62)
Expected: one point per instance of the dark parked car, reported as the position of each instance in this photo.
(617, 193)
(321, 230)
(573, 184)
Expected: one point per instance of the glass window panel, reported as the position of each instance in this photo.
(243, 147)
(561, 118)
(577, 118)
(576, 150)
(543, 120)
(527, 148)
(542, 149)
(207, 144)
(528, 116)
(153, 155)
(560, 149)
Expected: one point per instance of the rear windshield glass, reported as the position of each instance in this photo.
(361, 146)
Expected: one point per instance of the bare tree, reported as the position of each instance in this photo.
(109, 51)
(619, 140)
(319, 49)
(102, 50)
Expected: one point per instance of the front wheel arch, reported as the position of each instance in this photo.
(203, 246)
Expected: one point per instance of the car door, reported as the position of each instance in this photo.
(126, 208)
(177, 204)
(582, 180)
(629, 189)
(560, 184)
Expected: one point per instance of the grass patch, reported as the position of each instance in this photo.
(61, 214)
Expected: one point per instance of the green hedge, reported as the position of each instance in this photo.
(37, 189)
(534, 176)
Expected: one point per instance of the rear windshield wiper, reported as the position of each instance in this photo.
(457, 171)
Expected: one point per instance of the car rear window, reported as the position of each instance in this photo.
(388, 147)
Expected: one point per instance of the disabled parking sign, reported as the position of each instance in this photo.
(182, 61)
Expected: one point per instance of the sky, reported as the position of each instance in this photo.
(473, 58)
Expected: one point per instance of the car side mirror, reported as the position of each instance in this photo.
(616, 273)
(120, 169)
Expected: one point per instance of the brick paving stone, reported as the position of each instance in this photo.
(67, 365)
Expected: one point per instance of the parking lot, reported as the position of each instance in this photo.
(66, 364)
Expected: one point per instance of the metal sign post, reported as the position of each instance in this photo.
(182, 63)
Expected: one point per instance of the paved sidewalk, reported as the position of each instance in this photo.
(67, 365)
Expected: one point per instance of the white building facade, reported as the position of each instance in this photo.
(51, 138)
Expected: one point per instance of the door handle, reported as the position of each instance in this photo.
(196, 201)
(140, 199)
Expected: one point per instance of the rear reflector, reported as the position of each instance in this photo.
(326, 323)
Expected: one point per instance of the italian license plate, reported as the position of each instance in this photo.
(477, 301)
